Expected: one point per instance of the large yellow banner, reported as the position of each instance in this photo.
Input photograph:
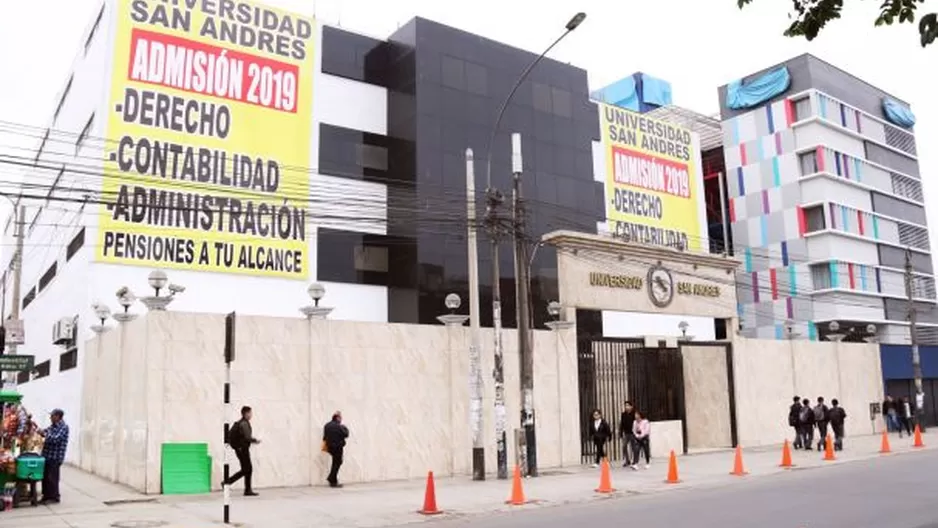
(654, 190)
(209, 127)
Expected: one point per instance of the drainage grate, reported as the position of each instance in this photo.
(138, 524)
(121, 502)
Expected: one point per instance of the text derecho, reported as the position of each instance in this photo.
(650, 183)
(209, 133)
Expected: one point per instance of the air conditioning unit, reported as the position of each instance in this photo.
(63, 331)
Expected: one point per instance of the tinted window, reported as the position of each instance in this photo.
(890, 159)
(894, 257)
(895, 208)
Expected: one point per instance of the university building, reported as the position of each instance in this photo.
(368, 153)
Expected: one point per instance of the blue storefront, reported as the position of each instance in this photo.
(897, 375)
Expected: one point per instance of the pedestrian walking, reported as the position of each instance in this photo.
(794, 420)
(821, 419)
(54, 447)
(241, 438)
(891, 414)
(807, 424)
(600, 432)
(626, 421)
(837, 417)
(334, 436)
(904, 416)
(642, 431)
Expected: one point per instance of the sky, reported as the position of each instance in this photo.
(697, 45)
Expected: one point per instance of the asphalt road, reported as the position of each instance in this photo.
(890, 492)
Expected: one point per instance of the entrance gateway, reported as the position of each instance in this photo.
(684, 386)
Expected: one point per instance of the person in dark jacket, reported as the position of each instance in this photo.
(334, 435)
(891, 414)
(626, 420)
(905, 414)
(794, 420)
(54, 448)
(807, 424)
(600, 432)
(241, 438)
(837, 417)
(821, 420)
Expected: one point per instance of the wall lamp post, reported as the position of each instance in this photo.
(683, 326)
(316, 292)
(835, 334)
(101, 313)
(126, 299)
(158, 280)
(453, 302)
(554, 309)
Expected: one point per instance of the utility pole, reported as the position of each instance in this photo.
(494, 199)
(913, 334)
(19, 231)
(475, 355)
(525, 353)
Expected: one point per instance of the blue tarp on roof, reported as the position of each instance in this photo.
(740, 96)
(656, 92)
(898, 114)
(622, 93)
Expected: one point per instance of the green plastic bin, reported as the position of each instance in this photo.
(186, 469)
(30, 467)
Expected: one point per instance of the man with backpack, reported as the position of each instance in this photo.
(807, 424)
(837, 417)
(240, 438)
(821, 418)
(794, 420)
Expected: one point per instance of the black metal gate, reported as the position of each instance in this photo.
(612, 371)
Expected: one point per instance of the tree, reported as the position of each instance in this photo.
(810, 17)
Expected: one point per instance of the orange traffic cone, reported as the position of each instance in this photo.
(829, 449)
(672, 470)
(517, 492)
(429, 498)
(786, 456)
(885, 449)
(738, 470)
(918, 437)
(605, 479)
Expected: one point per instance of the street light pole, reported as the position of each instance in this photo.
(475, 354)
(522, 284)
(19, 230)
(913, 335)
(494, 200)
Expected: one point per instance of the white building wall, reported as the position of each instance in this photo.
(821, 188)
(847, 306)
(832, 246)
(80, 281)
(814, 134)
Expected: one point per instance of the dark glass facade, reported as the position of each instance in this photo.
(444, 89)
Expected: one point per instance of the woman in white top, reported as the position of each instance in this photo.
(641, 428)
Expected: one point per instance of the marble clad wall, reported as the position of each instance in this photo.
(769, 373)
(665, 437)
(706, 397)
(403, 390)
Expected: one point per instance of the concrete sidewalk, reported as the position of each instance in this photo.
(93, 503)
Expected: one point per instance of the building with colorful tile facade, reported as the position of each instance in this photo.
(825, 205)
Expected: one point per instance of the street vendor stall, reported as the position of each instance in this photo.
(21, 462)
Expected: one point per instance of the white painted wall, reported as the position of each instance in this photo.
(834, 246)
(635, 324)
(813, 134)
(822, 188)
(847, 306)
(80, 281)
